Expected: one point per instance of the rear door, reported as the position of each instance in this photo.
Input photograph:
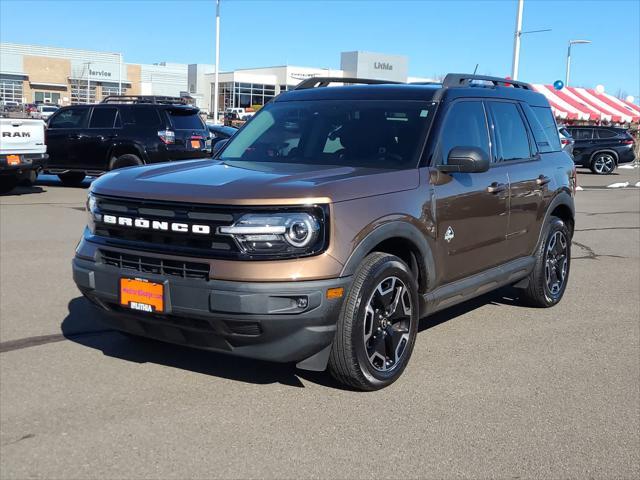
(471, 208)
(190, 132)
(66, 133)
(528, 175)
(583, 145)
(103, 132)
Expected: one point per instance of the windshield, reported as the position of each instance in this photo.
(368, 133)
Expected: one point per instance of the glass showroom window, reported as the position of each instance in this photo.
(112, 90)
(10, 90)
(80, 94)
(47, 97)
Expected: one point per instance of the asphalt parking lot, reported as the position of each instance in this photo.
(493, 389)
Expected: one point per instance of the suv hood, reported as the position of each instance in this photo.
(252, 183)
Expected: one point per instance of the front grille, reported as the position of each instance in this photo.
(158, 266)
(210, 245)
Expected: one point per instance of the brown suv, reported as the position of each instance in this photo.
(336, 219)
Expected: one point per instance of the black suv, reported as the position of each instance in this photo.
(123, 131)
(602, 149)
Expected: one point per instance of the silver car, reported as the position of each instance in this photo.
(566, 140)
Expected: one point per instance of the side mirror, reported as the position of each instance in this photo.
(218, 146)
(466, 160)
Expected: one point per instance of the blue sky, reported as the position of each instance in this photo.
(438, 36)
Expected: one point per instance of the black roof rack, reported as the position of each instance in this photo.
(315, 82)
(465, 79)
(145, 99)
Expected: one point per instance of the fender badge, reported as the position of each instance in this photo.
(449, 234)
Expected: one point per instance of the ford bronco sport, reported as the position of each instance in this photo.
(334, 220)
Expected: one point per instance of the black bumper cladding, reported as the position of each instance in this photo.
(274, 321)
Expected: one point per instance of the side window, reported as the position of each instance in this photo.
(103, 118)
(70, 118)
(544, 128)
(582, 133)
(464, 126)
(511, 134)
(602, 133)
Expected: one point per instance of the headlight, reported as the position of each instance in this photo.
(91, 203)
(275, 233)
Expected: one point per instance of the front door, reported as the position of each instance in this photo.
(65, 136)
(471, 208)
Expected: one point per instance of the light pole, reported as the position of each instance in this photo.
(216, 84)
(88, 81)
(515, 66)
(572, 42)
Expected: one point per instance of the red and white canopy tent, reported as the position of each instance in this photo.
(587, 104)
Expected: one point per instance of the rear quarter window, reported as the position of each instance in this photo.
(141, 116)
(544, 128)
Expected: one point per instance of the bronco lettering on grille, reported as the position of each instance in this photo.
(157, 225)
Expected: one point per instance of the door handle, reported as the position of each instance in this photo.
(542, 180)
(73, 136)
(496, 187)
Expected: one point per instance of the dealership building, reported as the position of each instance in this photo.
(32, 73)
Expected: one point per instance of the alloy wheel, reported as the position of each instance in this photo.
(604, 163)
(387, 324)
(556, 263)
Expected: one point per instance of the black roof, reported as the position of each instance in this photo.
(454, 86)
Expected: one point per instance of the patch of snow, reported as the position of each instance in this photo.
(618, 185)
(637, 184)
(630, 167)
(579, 188)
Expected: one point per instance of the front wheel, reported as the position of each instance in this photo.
(548, 279)
(603, 163)
(378, 324)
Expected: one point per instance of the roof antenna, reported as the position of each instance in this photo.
(476, 69)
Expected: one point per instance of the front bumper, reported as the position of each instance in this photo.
(261, 320)
(28, 162)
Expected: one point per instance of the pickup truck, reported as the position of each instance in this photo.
(23, 153)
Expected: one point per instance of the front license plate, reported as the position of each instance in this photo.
(142, 295)
(195, 144)
(13, 159)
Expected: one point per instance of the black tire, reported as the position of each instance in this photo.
(7, 183)
(361, 328)
(539, 292)
(126, 160)
(603, 163)
(72, 179)
(29, 179)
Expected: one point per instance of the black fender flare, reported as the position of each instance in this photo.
(563, 198)
(133, 148)
(388, 231)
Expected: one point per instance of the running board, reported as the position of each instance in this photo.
(470, 287)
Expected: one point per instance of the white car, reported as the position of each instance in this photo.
(45, 111)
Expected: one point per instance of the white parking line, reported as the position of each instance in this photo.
(618, 185)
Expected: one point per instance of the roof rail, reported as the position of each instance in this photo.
(465, 79)
(145, 99)
(315, 82)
